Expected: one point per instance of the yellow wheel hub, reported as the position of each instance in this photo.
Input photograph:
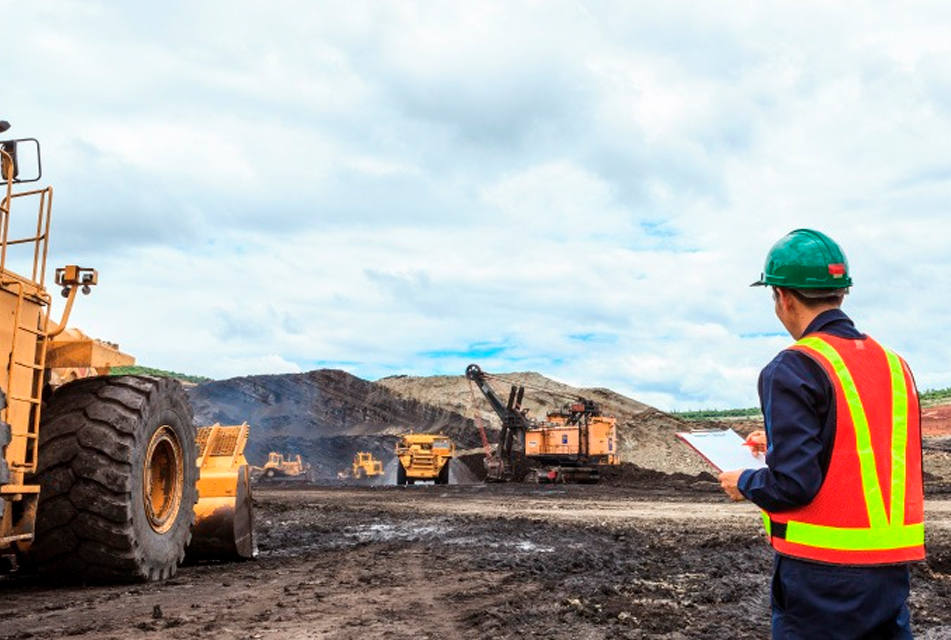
(163, 479)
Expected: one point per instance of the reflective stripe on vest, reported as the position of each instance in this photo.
(883, 533)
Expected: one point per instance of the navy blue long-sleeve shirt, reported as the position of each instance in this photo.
(798, 403)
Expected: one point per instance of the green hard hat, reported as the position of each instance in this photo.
(805, 259)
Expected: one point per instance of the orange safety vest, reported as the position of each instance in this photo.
(870, 508)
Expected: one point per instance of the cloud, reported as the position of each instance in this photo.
(585, 191)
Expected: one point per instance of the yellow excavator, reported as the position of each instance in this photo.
(102, 478)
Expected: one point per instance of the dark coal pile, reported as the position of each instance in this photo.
(326, 416)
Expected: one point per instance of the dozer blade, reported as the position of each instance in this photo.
(224, 523)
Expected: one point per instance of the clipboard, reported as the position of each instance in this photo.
(723, 448)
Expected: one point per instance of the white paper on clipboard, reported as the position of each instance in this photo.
(724, 449)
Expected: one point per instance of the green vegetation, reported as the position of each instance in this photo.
(929, 398)
(149, 371)
(932, 397)
(719, 414)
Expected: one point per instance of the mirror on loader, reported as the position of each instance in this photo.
(24, 154)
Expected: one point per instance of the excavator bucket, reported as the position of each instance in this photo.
(223, 526)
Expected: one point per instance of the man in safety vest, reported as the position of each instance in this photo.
(842, 492)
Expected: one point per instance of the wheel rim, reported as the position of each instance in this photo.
(164, 477)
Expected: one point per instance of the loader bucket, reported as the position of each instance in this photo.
(224, 526)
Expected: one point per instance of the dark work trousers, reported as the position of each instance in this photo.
(813, 601)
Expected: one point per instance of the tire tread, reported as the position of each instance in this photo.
(89, 436)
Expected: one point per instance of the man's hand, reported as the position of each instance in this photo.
(756, 441)
(728, 480)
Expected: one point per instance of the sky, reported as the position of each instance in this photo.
(582, 189)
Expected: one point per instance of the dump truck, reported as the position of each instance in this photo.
(279, 466)
(365, 466)
(570, 445)
(99, 474)
(424, 457)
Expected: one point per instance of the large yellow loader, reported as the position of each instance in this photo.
(101, 477)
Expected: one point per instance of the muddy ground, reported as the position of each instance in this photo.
(668, 558)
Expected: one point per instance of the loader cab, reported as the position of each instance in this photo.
(25, 212)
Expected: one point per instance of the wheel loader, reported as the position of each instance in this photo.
(102, 478)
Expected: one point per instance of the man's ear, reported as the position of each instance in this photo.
(784, 297)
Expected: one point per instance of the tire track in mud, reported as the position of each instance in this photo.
(478, 562)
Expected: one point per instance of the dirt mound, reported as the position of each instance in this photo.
(936, 420)
(652, 481)
(326, 416)
(646, 436)
(329, 415)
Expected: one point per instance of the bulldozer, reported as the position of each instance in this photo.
(103, 478)
(424, 457)
(281, 467)
(365, 466)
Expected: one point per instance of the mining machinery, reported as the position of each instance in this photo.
(424, 457)
(103, 478)
(569, 446)
(365, 466)
(281, 467)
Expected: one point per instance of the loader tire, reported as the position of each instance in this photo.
(117, 472)
(400, 474)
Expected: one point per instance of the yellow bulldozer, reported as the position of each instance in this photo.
(102, 478)
(282, 467)
(424, 457)
(365, 466)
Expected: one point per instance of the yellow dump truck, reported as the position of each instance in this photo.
(365, 466)
(99, 474)
(424, 457)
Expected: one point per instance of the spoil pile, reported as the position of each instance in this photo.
(646, 435)
(329, 415)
